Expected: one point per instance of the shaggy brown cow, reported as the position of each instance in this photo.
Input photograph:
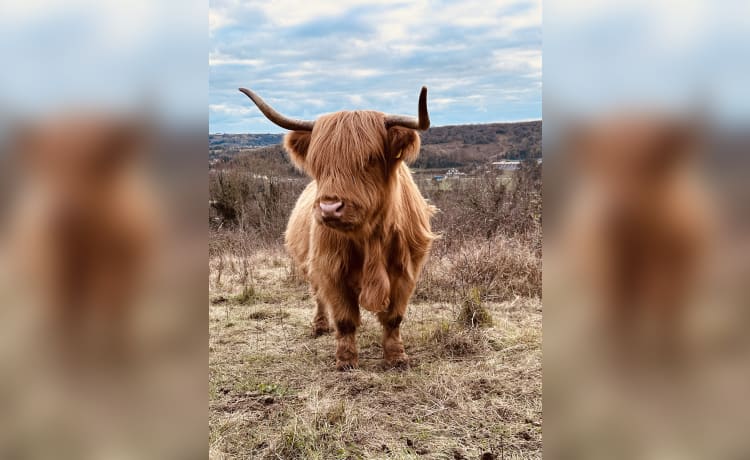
(84, 225)
(642, 221)
(360, 231)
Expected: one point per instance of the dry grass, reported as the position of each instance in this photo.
(274, 392)
(500, 268)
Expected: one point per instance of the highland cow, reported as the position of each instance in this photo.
(84, 225)
(360, 231)
(642, 223)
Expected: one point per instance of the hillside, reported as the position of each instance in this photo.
(227, 141)
(465, 147)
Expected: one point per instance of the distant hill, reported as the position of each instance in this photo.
(224, 146)
(465, 147)
(243, 140)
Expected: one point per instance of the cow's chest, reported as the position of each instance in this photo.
(352, 267)
(346, 263)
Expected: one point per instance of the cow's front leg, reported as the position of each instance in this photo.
(393, 347)
(374, 292)
(346, 345)
(320, 323)
(375, 286)
(345, 312)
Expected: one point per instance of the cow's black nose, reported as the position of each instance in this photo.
(331, 208)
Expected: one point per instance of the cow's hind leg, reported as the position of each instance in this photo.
(393, 347)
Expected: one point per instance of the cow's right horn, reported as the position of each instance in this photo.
(277, 118)
(421, 123)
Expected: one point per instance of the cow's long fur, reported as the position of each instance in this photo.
(84, 225)
(641, 224)
(374, 258)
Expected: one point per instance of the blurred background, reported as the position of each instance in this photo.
(646, 229)
(103, 243)
(102, 229)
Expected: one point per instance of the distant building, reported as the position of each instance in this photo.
(507, 165)
(510, 165)
(453, 172)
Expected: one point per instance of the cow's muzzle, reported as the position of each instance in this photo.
(331, 210)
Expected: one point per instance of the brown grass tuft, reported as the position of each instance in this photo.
(473, 314)
(452, 340)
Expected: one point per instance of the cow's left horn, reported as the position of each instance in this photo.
(410, 122)
(277, 118)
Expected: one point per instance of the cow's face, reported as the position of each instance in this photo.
(631, 160)
(78, 156)
(353, 158)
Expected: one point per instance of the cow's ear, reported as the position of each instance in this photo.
(297, 143)
(403, 144)
(678, 142)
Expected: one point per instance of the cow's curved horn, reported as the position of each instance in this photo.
(277, 118)
(410, 122)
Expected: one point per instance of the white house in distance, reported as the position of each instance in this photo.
(510, 165)
(507, 165)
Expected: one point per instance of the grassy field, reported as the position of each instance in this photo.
(471, 392)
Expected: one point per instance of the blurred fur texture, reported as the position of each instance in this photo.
(641, 224)
(84, 226)
(373, 256)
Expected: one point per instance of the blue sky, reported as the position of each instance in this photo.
(481, 60)
(105, 54)
(663, 55)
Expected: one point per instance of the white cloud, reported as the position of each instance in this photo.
(322, 56)
(526, 62)
(230, 109)
(364, 73)
(216, 59)
(218, 19)
(293, 12)
(356, 99)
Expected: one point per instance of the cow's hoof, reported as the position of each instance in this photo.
(397, 362)
(320, 329)
(346, 365)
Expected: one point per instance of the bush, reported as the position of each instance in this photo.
(255, 204)
(488, 205)
(498, 269)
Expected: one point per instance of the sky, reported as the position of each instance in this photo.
(664, 55)
(105, 54)
(481, 60)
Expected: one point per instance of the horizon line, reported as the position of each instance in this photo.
(440, 126)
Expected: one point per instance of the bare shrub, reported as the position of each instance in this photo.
(499, 269)
(490, 204)
(252, 203)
